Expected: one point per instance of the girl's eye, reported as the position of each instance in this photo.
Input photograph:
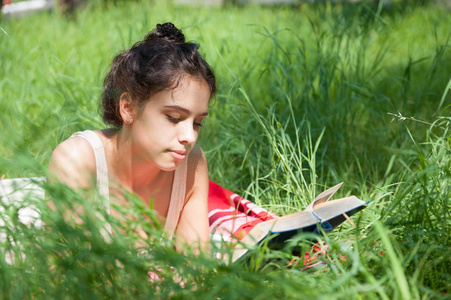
(178, 120)
(173, 120)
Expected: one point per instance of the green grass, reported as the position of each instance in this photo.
(303, 103)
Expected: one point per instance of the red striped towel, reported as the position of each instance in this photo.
(231, 215)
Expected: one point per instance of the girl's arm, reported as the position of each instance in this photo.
(73, 163)
(192, 229)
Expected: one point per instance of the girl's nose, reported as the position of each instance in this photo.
(187, 134)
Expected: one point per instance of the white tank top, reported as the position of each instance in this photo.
(178, 192)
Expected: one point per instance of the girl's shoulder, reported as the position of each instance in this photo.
(197, 177)
(196, 158)
(73, 162)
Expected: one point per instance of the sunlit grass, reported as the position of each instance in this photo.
(302, 105)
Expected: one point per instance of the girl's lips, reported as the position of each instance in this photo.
(177, 155)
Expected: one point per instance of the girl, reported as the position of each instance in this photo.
(155, 97)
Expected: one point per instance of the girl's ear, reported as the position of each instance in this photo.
(126, 108)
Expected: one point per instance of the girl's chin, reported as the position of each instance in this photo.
(165, 162)
(168, 167)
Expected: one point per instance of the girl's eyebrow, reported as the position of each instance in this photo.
(187, 111)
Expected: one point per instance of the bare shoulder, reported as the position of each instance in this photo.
(197, 172)
(196, 158)
(73, 163)
(193, 224)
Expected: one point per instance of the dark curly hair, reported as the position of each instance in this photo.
(152, 65)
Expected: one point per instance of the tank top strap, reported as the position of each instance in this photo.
(101, 165)
(178, 195)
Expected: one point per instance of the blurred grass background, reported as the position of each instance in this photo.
(305, 93)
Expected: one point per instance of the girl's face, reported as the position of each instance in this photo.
(165, 131)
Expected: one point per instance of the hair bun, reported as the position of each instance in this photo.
(169, 32)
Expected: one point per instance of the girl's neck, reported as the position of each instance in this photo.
(132, 172)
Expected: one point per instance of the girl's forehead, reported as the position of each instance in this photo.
(190, 94)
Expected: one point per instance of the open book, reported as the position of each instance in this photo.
(320, 213)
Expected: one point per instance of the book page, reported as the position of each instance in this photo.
(323, 197)
(329, 210)
(290, 222)
(293, 222)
